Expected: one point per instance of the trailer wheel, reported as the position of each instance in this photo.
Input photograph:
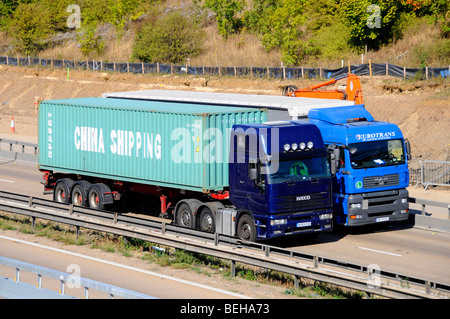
(185, 217)
(61, 193)
(246, 228)
(95, 199)
(207, 222)
(79, 193)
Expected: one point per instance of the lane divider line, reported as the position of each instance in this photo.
(6, 181)
(380, 251)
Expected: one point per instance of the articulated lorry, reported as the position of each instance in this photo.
(218, 169)
(371, 177)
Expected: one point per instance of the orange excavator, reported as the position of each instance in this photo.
(352, 91)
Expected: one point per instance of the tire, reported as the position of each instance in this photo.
(79, 193)
(185, 218)
(246, 228)
(61, 193)
(95, 198)
(207, 221)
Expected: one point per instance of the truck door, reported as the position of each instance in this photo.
(248, 186)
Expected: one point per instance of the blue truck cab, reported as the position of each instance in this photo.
(280, 176)
(371, 177)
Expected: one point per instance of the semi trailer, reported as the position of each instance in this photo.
(371, 156)
(214, 168)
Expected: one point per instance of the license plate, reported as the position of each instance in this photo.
(382, 219)
(305, 224)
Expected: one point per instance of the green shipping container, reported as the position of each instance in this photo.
(176, 145)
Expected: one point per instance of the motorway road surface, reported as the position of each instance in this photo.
(410, 251)
(131, 278)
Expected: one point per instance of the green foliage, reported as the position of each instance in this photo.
(299, 29)
(29, 27)
(57, 10)
(119, 12)
(172, 38)
(7, 7)
(441, 12)
(88, 38)
(370, 22)
(280, 25)
(227, 12)
(93, 11)
(331, 49)
(322, 14)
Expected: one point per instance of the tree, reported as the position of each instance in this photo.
(280, 25)
(171, 39)
(119, 11)
(29, 27)
(90, 42)
(226, 15)
(370, 21)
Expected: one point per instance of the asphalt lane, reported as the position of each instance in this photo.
(414, 252)
(101, 269)
(21, 178)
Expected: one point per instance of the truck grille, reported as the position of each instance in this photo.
(381, 181)
(297, 203)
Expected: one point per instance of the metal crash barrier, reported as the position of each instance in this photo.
(16, 289)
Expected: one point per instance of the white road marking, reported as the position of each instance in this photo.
(6, 181)
(380, 251)
(127, 267)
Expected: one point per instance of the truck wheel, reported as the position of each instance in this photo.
(95, 199)
(61, 193)
(79, 193)
(185, 217)
(207, 220)
(246, 228)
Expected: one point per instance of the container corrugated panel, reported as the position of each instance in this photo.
(158, 143)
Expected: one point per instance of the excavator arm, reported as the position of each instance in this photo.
(352, 92)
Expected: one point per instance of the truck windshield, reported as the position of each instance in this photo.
(377, 153)
(299, 170)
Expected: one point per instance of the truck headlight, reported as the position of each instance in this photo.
(404, 200)
(355, 205)
(310, 145)
(278, 222)
(294, 146)
(287, 147)
(325, 216)
(302, 146)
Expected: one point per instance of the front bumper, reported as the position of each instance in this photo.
(294, 224)
(375, 207)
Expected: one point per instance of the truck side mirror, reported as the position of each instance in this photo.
(253, 174)
(335, 161)
(408, 149)
(334, 158)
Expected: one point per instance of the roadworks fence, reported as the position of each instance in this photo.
(426, 173)
(370, 69)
